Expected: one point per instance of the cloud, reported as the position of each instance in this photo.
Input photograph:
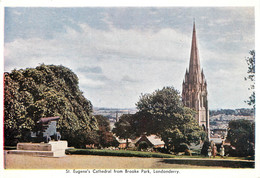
(86, 82)
(117, 63)
(135, 43)
(127, 78)
(111, 61)
(87, 69)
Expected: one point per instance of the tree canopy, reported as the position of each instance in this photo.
(241, 135)
(162, 113)
(46, 91)
(125, 128)
(251, 76)
(106, 138)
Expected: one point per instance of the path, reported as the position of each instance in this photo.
(92, 162)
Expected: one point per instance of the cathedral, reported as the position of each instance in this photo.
(194, 87)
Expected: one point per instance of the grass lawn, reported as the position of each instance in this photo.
(124, 153)
(128, 153)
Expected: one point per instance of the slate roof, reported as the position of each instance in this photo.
(155, 140)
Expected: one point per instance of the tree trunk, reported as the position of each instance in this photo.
(126, 143)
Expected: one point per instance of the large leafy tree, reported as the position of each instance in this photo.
(124, 128)
(106, 137)
(45, 91)
(241, 135)
(251, 76)
(163, 114)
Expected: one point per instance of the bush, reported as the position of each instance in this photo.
(182, 147)
(204, 150)
(162, 150)
(241, 135)
(143, 145)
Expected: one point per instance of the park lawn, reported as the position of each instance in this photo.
(216, 157)
(124, 153)
(128, 153)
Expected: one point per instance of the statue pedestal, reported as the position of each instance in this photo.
(51, 149)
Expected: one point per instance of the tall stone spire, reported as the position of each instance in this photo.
(194, 68)
(194, 87)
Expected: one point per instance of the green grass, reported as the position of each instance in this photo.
(125, 153)
(128, 153)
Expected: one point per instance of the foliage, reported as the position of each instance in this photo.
(251, 76)
(106, 138)
(205, 147)
(125, 153)
(124, 128)
(241, 135)
(46, 91)
(163, 114)
(143, 145)
(182, 147)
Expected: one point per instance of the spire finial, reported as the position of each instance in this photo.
(193, 24)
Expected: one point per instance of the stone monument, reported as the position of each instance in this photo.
(45, 141)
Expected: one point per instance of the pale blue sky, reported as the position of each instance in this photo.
(119, 53)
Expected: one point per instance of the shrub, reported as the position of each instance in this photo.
(182, 147)
(143, 145)
(204, 150)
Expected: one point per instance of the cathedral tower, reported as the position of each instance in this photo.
(194, 87)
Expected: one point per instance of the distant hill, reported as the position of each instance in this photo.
(235, 112)
(112, 113)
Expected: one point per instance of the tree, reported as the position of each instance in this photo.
(241, 135)
(106, 138)
(124, 128)
(251, 76)
(47, 91)
(143, 145)
(163, 114)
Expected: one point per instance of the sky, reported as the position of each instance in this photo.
(119, 53)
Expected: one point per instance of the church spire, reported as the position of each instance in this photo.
(194, 91)
(194, 68)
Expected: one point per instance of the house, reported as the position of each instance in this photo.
(122, 142)
(152, 141)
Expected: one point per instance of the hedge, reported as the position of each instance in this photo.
(124, 153)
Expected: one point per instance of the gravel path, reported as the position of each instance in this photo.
(91, 162)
